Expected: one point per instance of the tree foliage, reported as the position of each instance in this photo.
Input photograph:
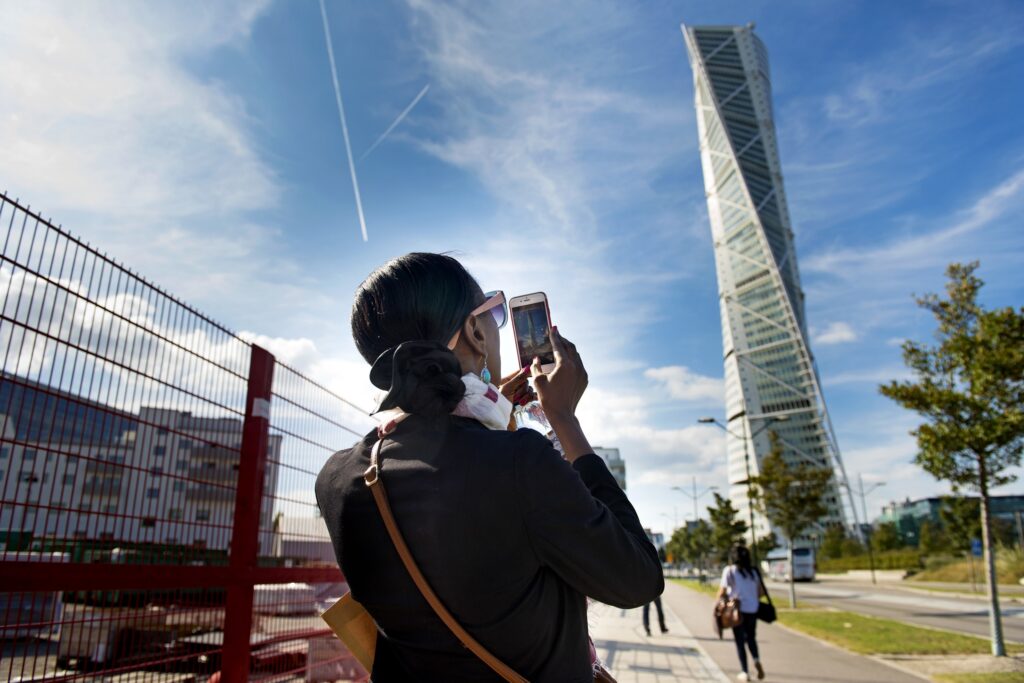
(726, 527)
(832, 543)
(969, 387)
(886, 537)
(792, 497)
(691, 543)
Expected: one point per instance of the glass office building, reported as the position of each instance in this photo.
(771, 381)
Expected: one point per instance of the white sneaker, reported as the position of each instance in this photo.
(742, 676)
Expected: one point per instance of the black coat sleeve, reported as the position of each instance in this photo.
(583, 527)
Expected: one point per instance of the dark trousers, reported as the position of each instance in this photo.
(647, 615)
(746, 637)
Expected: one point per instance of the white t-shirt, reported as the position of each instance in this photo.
(738, 586)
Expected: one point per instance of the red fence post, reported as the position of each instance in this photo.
(246, 527)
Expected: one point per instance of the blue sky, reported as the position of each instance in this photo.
(555, 150)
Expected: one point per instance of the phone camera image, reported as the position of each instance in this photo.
(533, 334)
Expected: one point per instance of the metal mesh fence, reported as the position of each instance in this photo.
(154, 522)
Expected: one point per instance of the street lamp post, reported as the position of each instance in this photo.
(864, 506)
(746, 462)
(695, 496)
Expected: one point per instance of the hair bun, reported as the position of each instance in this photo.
(421, 377)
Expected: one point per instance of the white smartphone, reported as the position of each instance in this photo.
(531, 324)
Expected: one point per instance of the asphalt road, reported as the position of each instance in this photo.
(787, 655)
(947, 611)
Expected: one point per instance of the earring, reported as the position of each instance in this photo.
(485, 374)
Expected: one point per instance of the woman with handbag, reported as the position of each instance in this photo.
(742, 587)
(477, 563)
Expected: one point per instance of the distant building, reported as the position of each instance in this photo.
(615, 463)
(158, 476)
(655, 537)
(908, 515)
(303, 539)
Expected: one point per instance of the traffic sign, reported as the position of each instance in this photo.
(976, 547)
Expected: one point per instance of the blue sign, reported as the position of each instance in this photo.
(976, 547)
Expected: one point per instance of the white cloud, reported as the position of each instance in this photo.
(834, 333)
(685, 385)
(103, 116)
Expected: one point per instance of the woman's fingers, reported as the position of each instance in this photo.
(519, 377)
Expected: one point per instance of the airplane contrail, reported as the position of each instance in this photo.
(405, 112)
(344, 126)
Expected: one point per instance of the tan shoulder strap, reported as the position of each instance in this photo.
(373, 481)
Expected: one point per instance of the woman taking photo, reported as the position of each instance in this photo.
(741, 581)
(511, 537)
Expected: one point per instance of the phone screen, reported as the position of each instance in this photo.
(533, 333)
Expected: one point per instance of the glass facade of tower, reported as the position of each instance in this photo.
(771, 381)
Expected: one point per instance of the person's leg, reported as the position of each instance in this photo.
(661, 614)
(750, 626)
(739, 634)
(647, 617)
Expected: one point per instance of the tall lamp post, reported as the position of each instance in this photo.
(864, 506)
(746, 461)
(695, 496)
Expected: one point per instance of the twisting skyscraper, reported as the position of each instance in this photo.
(771, 381)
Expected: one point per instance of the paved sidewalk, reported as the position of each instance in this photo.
(633, 657)
(787, 655)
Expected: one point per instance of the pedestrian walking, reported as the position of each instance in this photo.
(742, 582)
(510, 535)
(661, 616)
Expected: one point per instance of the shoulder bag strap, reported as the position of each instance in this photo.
(376, 486)
(760, 580)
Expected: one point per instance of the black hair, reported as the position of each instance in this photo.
(419, 297)
(740, 556)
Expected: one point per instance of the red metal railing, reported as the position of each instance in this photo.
(156, 482)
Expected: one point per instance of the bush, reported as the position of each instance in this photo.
(905, 558)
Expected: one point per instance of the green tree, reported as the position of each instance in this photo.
(961, 521)
(691, 544)
(852, 547)
(792, 497)
(886, 536)
(726, 527)
(832, 544)
(765, 545)
(969, 388)
(932, 539)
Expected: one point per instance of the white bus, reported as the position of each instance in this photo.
(776, 565)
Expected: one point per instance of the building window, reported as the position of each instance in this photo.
(110, 509)
(152, 493)
(156, 470)
(202, 515)
(159, 451)
(161, 430)
(116, 459)
(50, 457)
(69, 480)
(29, 477)
(1, 475)
(174, 514)
(4, 452)
(148, 522)
(180, 486)
(181, 465)
(29, 454)
(185, 444)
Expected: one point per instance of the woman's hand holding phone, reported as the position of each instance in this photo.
(559, 392)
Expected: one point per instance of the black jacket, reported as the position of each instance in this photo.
(510, 536)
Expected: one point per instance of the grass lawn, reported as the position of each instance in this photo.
(709, 588)
(1000, 677)
(876, 636)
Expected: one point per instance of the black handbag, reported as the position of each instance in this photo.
(765, 610)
